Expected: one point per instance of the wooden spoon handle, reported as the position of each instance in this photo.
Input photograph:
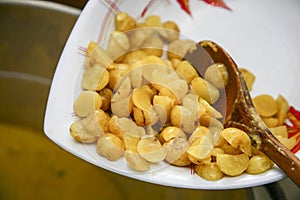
(284, 158)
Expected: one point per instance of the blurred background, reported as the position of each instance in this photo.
(74, 3)
(33, 34)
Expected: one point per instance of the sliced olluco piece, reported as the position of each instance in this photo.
(95, 78)
(86, 103)
(150, 149)
(142, 97)
(118, 45)
(136, 162)
(98, 55)
(123, 90)
(205, 90)
(175, 148)
(183, 118)
(217, 75)
(232, 165)
(110, 146)
(122, 108)
(238, 139)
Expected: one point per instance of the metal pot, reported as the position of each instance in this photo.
(33, 34)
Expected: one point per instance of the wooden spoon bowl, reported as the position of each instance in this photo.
(240, 112)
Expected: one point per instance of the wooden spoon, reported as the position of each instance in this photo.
(240, 111)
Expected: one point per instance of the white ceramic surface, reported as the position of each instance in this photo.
(262, 36)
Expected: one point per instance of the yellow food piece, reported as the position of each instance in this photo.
(166, 102)
(178, 48)
(183, 118)
(153, 21)
(259, 164)
(80, 134)
(171, 31)
(98, 55)
(117, 72)
(238, 139)
(289, 143)
(280, 131)
(217, 75)
(199, 132)
(172, 132)
(201, 147)
(176, 151)
(86, 103)
(118, 45)
(152, 46)
(265, 105)
(271, 121)
(136, 162)
(205, 90)
(142, 97)
(106, 95)
(150, 149)
(95, 78)
(283, 108)
(110, 146)
(122, 108)
(232, 165)
(186, 70)
(249, 78)
(124, 22)
(90, 128)
(209, 172)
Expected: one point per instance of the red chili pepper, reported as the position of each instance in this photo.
(292, 133)
(296, 148)
(218, 3)
(293, 119)
(184, 4)
(295, 112)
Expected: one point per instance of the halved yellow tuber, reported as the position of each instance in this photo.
(95, 78)
(259, 164)
(232, 165)
(176, 151)
(265, 105)
(152, 46)
(165, 102)
(142, 97)
(118, 45)
(249, 77)
(124, 22)
(283, 108)
(122, 108)
(170, 31)
(136, 162)
(205, 90)
(183, 118)
(172, 132)
(201, 148)
(217, 75)
(98, 55)
(209, 171)
(186, 70)
(199, 132)
(238, 139)
(179, 48)
(110, 146)
(150, 149)
(122, 89)
(86, 103)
